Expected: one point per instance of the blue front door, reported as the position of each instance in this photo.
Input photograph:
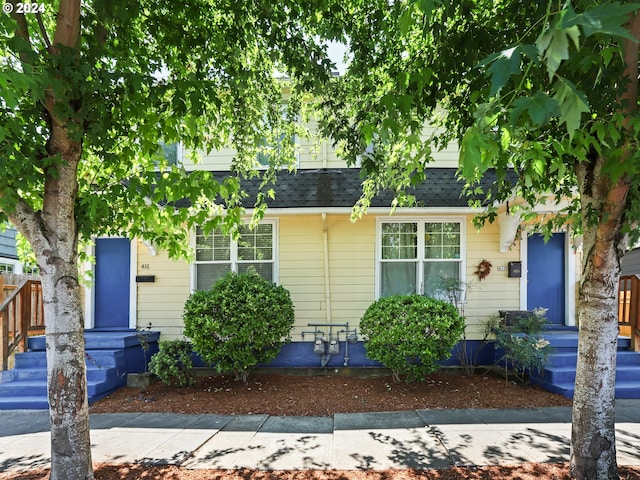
(546, 276)
(112, 281)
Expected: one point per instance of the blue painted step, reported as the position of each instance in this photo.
(109, 357)
(560, 373)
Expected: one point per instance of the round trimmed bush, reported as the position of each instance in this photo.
(244, 320)
(172, 363)
(410, 333)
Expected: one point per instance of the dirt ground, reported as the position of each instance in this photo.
(283, 395)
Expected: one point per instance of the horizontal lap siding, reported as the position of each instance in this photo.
(352, 273)
(351, 267)
(495, 292)
(161, 302)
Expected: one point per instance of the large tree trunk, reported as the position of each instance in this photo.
(66, 372)
(593, 447)
(53, 236)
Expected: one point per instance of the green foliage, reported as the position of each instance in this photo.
(410, 333)
(244, 320)
(524, 349)
(218, 87)
(172, 363)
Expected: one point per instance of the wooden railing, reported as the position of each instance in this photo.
(629, 309)
(21, 312)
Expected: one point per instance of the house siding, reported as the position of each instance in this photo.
(160, 303)
(301, 269)
(495, 292)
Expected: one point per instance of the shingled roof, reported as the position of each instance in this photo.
(342, 187)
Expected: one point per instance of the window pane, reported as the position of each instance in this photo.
(265, 270)
(214, 246)
(442, 240)
(435, 273)
(256, 244)
(208, 273)
(397, 278)
(399, 241)
(170, 152)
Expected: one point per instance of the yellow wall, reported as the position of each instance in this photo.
(351, 266)
(160, 303)
(495, 292)
(313, 152)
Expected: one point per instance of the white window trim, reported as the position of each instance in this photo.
(296, 146)
(420, 220)
(15, 264)
(234, 253)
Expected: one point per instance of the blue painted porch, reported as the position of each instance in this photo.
(110, 356)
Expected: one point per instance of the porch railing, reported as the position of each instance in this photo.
(21, 312)
(629, 308)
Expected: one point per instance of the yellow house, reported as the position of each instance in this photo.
(335, 267)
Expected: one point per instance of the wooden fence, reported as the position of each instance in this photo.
(21, 313)
(629, 309)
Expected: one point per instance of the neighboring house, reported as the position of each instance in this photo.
(631, 262)
(9, 262)
(335, 268)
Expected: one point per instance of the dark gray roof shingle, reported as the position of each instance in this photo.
(326, 188)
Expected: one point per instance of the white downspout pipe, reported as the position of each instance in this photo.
(327, 279)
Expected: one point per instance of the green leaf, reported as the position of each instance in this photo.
(477, 151)
(605, 18)
(553, 46)
(539, 109)
(572, 102)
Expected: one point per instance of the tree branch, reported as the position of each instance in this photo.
(43, 31)
(22, 31)
(28, 222)
(68, 24)
(631, 63)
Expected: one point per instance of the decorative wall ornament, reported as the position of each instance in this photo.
(484, 269)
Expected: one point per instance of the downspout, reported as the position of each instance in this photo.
(327, 282)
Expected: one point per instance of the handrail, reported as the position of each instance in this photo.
(20, 312)
(629, 307)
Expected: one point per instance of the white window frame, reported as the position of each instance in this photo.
(233, 254)
(4, 266)
(420, 260)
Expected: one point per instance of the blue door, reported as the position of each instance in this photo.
(112, 280)
(546, 276)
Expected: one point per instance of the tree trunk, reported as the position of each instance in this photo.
(66, 372)
(53, 236)
(593, 443)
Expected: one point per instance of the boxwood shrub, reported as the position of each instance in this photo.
(244, 320)
(410, 333)
(172, 363)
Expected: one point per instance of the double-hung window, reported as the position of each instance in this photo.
(417, 256)
(6, 268)
(217, 254)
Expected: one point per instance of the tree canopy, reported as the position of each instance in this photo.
(545, 90)
(88, 92)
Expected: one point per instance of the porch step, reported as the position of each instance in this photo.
(560, 373)
(109, 357)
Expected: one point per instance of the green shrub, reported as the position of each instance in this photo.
(523, 348)
(172, 363)
(410, 333)
(242, 321)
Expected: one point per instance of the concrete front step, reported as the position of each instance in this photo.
(109, 357)
(561, 359)
(567, 374)
(623, 390)
(560, 372)
(102, 340)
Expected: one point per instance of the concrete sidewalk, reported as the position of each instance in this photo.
(370, 441)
